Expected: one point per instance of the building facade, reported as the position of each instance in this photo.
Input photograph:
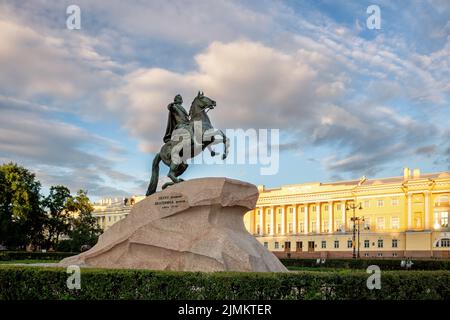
(404, 216)
(110, 210)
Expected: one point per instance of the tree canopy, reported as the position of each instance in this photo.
(27, 218)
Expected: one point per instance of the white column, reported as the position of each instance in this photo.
(261, 220)
(427, 210)
(306, 221)
(330, 217)
(410, 211)
(283, 220)
(344, 217)
(294, 219)
(318, 222)
(272, 221)
(436, 218)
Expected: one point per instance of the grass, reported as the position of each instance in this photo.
(28, 261)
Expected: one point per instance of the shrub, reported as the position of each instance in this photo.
(384, 264)
(50, 283)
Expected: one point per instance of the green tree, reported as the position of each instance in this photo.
(84, 229)
(21, 215)
(58, 217)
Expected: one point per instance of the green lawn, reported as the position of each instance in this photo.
(28, 261)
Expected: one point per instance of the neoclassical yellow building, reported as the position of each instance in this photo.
(404, 216)
(110, 210)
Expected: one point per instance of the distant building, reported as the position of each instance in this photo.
(110, 210)
(406, 216)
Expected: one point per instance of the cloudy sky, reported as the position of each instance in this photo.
(87, 108)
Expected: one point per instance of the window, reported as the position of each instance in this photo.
(268, 228)
(324, 244)
(313, 208)
(395, 222)
(338, 206)
(302, 227)
(366, 243)
(279, 228)
(325, 207)
(277, 245)
(444, 219)
(379, 254)
(269, 211)
(366, 254)
(290, 227)
(325, 225)
(336, 244)
(445, 242)
(442, 199)
(291, 210)
(109, 219)
(367, 204)
(349, 244)
(395, 202)
(279, 211)
(394, 254)
(339, 226)
(266, 244)
(366, 223)
(299, 245)
(380, 243)
(417, 220)
(380, 223)
(394, 243)
(313, 226)
(302, 209)
(380, 203)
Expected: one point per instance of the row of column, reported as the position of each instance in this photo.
(295, 223)
(410, 222)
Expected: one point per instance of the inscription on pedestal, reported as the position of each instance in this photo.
(173, 201)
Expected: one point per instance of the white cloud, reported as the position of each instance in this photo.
(322, 82)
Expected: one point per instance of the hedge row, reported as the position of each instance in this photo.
(24, 255)
(364, 263)
(18, 283)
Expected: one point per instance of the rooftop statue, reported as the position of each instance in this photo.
(186, 136)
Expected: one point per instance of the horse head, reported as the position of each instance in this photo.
(199, 106)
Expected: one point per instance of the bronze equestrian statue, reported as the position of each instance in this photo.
(185, 126)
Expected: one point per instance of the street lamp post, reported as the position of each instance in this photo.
(359, 228)
(354, 219)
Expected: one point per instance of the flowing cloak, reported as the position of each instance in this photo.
(169, 128)
(171, 123)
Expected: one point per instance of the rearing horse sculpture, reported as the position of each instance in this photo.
(173, 153)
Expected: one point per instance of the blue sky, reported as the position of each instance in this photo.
(87, 108)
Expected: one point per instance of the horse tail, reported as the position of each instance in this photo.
(155, 175)
(226, 145)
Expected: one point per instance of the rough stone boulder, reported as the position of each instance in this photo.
(196, 225)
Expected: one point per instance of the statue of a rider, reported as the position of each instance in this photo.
(178, 117)
(184, 125)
